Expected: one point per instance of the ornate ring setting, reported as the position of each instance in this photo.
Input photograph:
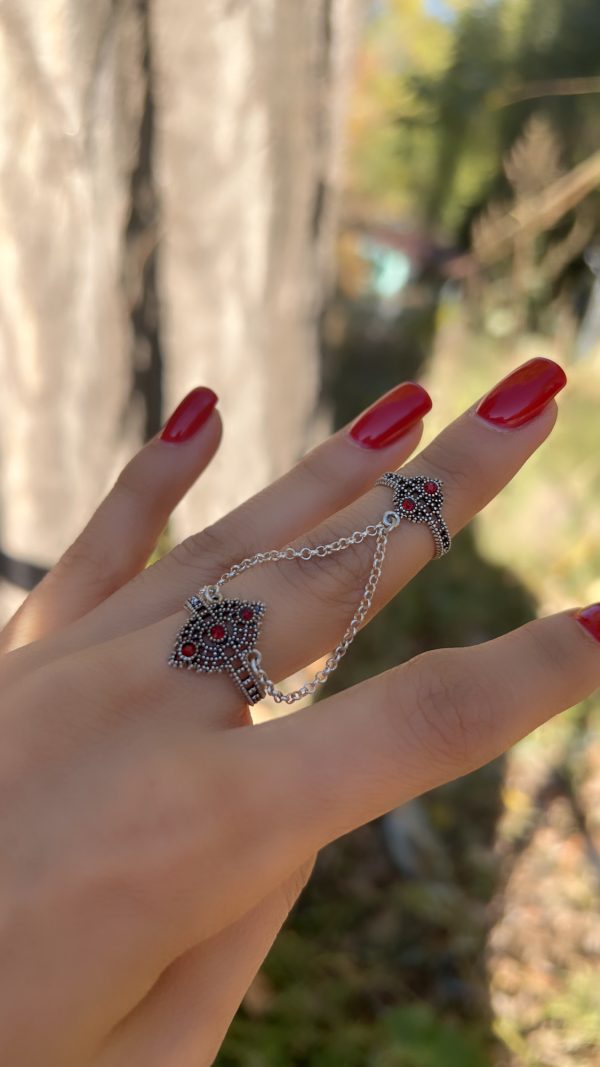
(420, 499)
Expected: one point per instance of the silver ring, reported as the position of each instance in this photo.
(420, 499)
(221, 635)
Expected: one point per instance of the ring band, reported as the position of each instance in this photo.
(420, 499)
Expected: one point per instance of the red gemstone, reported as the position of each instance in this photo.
(217, 632)
(247, 614)
(430, 487)
(408, 504)
(188, 649)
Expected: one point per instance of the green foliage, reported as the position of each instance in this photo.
(576, 1009)
(420, 1039)
(439, 100)
(409, 1036)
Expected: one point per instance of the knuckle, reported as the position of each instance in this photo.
(547, 649)
(450, 713)
(90, 559)
(316, 470)
(129, 484)
(459, 466)
(209, 549)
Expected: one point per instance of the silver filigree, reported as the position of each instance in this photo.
(222, 634)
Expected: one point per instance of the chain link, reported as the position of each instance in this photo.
(380, 531)
(416, 499)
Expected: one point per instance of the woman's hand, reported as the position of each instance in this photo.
(149, 850)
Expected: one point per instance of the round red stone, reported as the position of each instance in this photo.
(430, 487)
(247, 614)
(408, 504)
(188, 649)
(217, 632)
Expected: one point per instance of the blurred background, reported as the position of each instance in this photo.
(301, 205)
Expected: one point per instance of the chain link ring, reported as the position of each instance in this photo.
(223, 645)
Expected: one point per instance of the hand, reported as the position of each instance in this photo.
(151, 849)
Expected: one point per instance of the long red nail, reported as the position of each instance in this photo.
(189, 416)
(390, 418)
(590, 619)
(522, 395)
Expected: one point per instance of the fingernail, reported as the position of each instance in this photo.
(590, 619)
(189, 416)
(522, 395)
(390, 418)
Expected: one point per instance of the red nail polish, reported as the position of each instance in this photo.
(522, 395)
(190, 416)
(390, 418)
(590, 619)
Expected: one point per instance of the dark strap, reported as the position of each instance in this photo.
(21, 572)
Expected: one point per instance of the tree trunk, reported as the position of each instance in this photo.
(71, 87)
(249, 101)
(167, 186)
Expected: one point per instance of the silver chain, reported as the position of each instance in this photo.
(380, 531)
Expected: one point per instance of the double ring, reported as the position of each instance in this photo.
(222, 633)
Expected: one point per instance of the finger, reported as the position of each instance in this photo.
(310, 603)
(306, 779)
(352, 758)
(124, 530)
(185, 1017)
(326, 479)
(284, 789)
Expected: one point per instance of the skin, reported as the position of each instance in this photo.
(152, 841)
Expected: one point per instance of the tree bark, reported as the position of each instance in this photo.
(249, 116)
(167, 191)
(71, 93)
